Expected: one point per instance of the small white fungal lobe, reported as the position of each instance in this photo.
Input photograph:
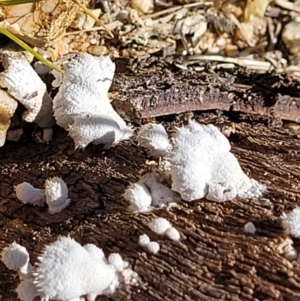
(173, 234)
(66, 271)
(26, 290)
(26, 193)
(250, 228)
(116, 260)
(139, 197)
(15, 257)
(143, 240)
(56, 195)
(159, 225)
(23, 83)
(202, 166)
(82, 106)
(153, 247)
(155, 138)
(161, 195)
(291, 222)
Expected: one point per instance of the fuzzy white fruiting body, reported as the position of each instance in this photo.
(291, 254)
(202, 166)
(66, 271)
(250, 228)
(26, 290)
(24, 84)
(291, 222)
(155, 138)
(172, 234)
(161, 195)
(15, 257)
(143, 240)
(138, 196)
(82, 105)
(56, 192)
(116, 260)
(95, 252)
(153, 247)
(159, 225)
(26, 193)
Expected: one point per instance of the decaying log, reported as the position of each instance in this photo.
(215, 259)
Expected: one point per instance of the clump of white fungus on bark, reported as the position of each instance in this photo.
(56, 191)
(202, 166)
(82, 105)
(151, 246)
(26, 193)
(161, 226)
(291, 222)
(149, 193)
(67, 271)
(155, 138)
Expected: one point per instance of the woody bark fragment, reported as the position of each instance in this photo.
(161, 92)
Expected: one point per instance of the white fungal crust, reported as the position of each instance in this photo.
(250, 228)
(15, 257)
(202, 166)
(56, 195)
(143, 240)
(291, 222)
(26, 290)
(24, 84)
(155, 138)
(26, 193)
(95, 252)
(153, 247)
(66, 270)
(116, 260)
(138, 196)
(159, 225)
(161, 195)
(82, 105)
(172, 234)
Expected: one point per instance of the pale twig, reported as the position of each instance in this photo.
(110, 26)
(242, 62)
(176, 8)
(89, 13)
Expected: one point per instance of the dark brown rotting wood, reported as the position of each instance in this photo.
(162, 91)
(215, 259)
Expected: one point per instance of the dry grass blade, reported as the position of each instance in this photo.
(15, 2)
(89, 13)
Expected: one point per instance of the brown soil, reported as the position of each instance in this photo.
(215, 259)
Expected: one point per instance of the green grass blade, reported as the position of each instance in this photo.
(28, 48)
(15, 2)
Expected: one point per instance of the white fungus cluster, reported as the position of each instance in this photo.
(202, 166)
(82, 105)
(24, 84)
(291, 222)
(55, 194)
(148, 192)
(155, 138)
(67, 271)
(161, 226)
(151, 246)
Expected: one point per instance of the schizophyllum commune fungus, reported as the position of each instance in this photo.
(26, 193)
(82, 106)
(66, 271)
(291, 222)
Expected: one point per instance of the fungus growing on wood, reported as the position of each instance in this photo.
(56, 192)
(82, 106)
(26, 193)
(291, 222)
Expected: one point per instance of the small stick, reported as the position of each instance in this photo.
(89, 13)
